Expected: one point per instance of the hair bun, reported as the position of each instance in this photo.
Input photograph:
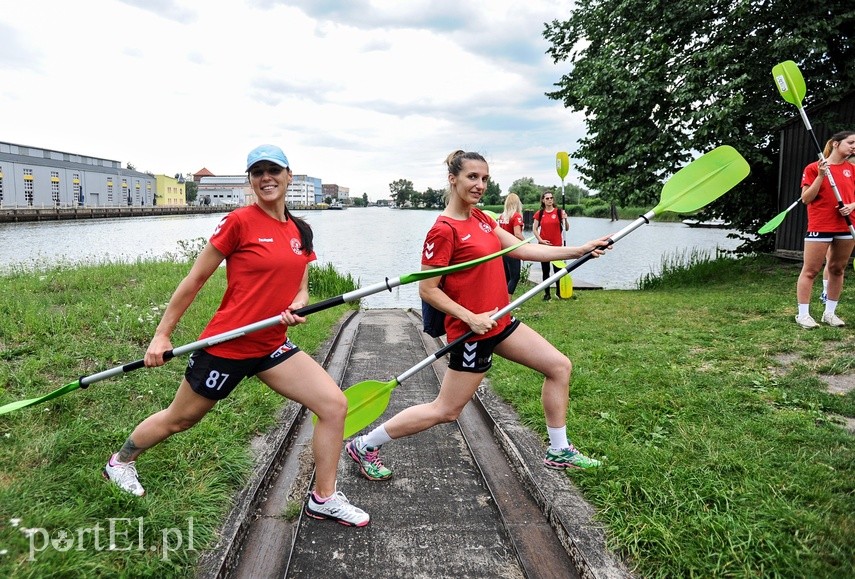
(450, 159)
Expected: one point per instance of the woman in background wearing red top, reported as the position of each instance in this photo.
(469, 298)
(549, 223)
(267, 252)
(828, 232)
(511, 220)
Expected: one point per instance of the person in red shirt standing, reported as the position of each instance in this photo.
(828, 233)
(549, 224)
(511, 220)
(470, 298)
(267, 251)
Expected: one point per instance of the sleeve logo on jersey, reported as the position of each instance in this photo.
(428, 250)
(296, 247)
(220, 225)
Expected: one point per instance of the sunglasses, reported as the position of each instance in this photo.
(547, 198)
(271, 170)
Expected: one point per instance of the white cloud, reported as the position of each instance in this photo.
(358, 93)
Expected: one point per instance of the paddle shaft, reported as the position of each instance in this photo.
(526, 296)
(344, 298)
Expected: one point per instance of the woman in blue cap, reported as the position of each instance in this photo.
(267, 252)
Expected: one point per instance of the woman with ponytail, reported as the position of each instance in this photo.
(267, 251)
(828, 236)
(470, 298)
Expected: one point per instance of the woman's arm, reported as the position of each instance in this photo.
(300, 300)
(539, 252)
(810, 192)
(429, 291)
(206, 264)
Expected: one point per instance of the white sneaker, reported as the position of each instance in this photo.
(806, 321)
(124, 474)
(832, 320)
(337, 508)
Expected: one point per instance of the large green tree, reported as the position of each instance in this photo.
(402, 190)
(661, 82)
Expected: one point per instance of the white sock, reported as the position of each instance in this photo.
(558, 437)
(377, 437)
(825, 286)
(804, 310)
(830, 307)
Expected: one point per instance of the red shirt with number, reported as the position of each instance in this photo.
(551, 225)
(822, 211)
(479, 289)
(265, 264)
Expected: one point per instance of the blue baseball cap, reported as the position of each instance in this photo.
(270, 153)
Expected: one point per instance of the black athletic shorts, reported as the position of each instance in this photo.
(827, 236)
(477, 356)
(214, 378)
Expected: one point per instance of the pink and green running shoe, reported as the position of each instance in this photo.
(569, 458)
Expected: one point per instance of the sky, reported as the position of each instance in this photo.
(360, 93)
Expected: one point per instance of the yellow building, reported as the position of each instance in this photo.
(170, 191)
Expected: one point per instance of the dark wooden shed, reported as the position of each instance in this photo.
(797, 150)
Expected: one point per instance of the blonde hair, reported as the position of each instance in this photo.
(512, 206)
(454, 161)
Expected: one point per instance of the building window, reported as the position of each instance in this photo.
(1, 184)
(28, 186)
(54, 187)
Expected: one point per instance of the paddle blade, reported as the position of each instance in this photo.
(562, 164)
(366, 402)
(33, 401)
(774, 223)
(790, 82)
(703, 181)
(565, 284)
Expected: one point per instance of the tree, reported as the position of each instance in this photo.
(659, 91)
(402, 190)
(191, 188)
(526, 190)
(433, 197)
(493, 194)
(365, 199)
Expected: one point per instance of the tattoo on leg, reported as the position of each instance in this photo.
(129, 451)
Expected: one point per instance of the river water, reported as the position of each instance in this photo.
(370, 244)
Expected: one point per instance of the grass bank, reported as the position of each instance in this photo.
(57, 517)
(725, 453)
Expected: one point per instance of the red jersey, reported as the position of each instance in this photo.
(822, 211)
(264, 267)
(551, 225)
(516, 221)
(479, 289)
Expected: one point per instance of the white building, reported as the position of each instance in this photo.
(229, 190)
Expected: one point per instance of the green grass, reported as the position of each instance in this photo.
(59, 324)
(724, 454)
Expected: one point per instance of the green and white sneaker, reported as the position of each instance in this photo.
(569, 458)
(368, 459)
